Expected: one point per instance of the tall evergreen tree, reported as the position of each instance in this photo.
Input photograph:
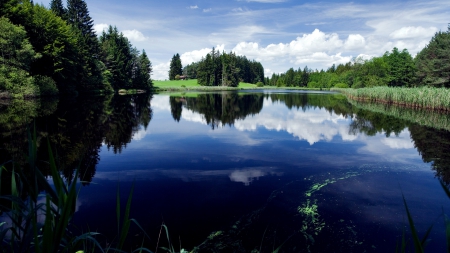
(57, 7)
(89, 68)
(175, 67)
(433, 62)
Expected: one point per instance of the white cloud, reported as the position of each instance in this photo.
(134, 35)
(193, 7)
(311, 125)
(247, 176)
(412, 32)
(99, 28)
(189, 115)
(196, 55)
(161, 71)
(207, 10)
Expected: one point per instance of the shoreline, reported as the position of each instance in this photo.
(433, 99)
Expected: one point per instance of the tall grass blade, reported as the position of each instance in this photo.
(126, 220)
(417, 243)
(170, 249)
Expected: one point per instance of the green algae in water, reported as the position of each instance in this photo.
(312, 224)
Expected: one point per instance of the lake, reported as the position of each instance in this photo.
(247, 170)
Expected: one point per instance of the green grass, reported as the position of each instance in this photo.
(424, 97)
(188, 85)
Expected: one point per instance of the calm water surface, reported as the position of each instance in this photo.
(234, 172)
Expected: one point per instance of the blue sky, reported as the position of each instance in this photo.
(278, 33)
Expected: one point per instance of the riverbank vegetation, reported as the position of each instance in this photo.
(430, 67)
(423, 97)
(46, 51)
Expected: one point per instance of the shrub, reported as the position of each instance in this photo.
(259, 84)
(47, 87)
(177, 77)
(341, 85)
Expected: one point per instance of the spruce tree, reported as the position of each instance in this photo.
(57, 7)
(175, 67)
(433, 62)
(89, 68)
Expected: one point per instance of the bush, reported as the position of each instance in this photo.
(259, 84)
(341, 85)
(184, 86)
(177, 77)
(47, 87)
(313, 84)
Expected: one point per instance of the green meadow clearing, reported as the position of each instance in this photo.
(193, 85)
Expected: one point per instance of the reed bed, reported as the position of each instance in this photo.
(423, 117)
(424, 97)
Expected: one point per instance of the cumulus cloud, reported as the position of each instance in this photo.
(412, 32)
(196, 55)
(99, 28)
(311, 125)
(161, 71)
(134, 35)
(192, 7)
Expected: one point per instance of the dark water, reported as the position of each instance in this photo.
(234, 172)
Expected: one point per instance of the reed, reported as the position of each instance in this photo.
(423, 97)
(423, 117)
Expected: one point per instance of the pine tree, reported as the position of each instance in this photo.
(433, 62)
(175, 67)
(78, 15)
(57, 7)
(89, 68)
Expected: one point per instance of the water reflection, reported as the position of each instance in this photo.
(252, 155)
(76, 129)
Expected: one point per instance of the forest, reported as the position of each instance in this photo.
(219, 69)
(48, 51)
(430, 67)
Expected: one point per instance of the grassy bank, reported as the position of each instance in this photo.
(192, 85)
(423, 117)
(424, 97)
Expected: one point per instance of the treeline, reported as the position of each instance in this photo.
(46, 51)
(431, 67)
(224, 69)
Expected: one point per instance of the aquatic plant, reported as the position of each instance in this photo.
(423, 97)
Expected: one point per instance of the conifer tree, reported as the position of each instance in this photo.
(175, 67)
(89, 68)
(57, 7)
(433, 62)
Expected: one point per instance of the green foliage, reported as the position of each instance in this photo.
(16, 56)
(259, 84)
(175, 67)
(56, 41)
(124, 67)
(401, 68)
(225, 69)
(57, 7)
(46, 85)
(433, 62)
(429, 98)
(341, 85)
